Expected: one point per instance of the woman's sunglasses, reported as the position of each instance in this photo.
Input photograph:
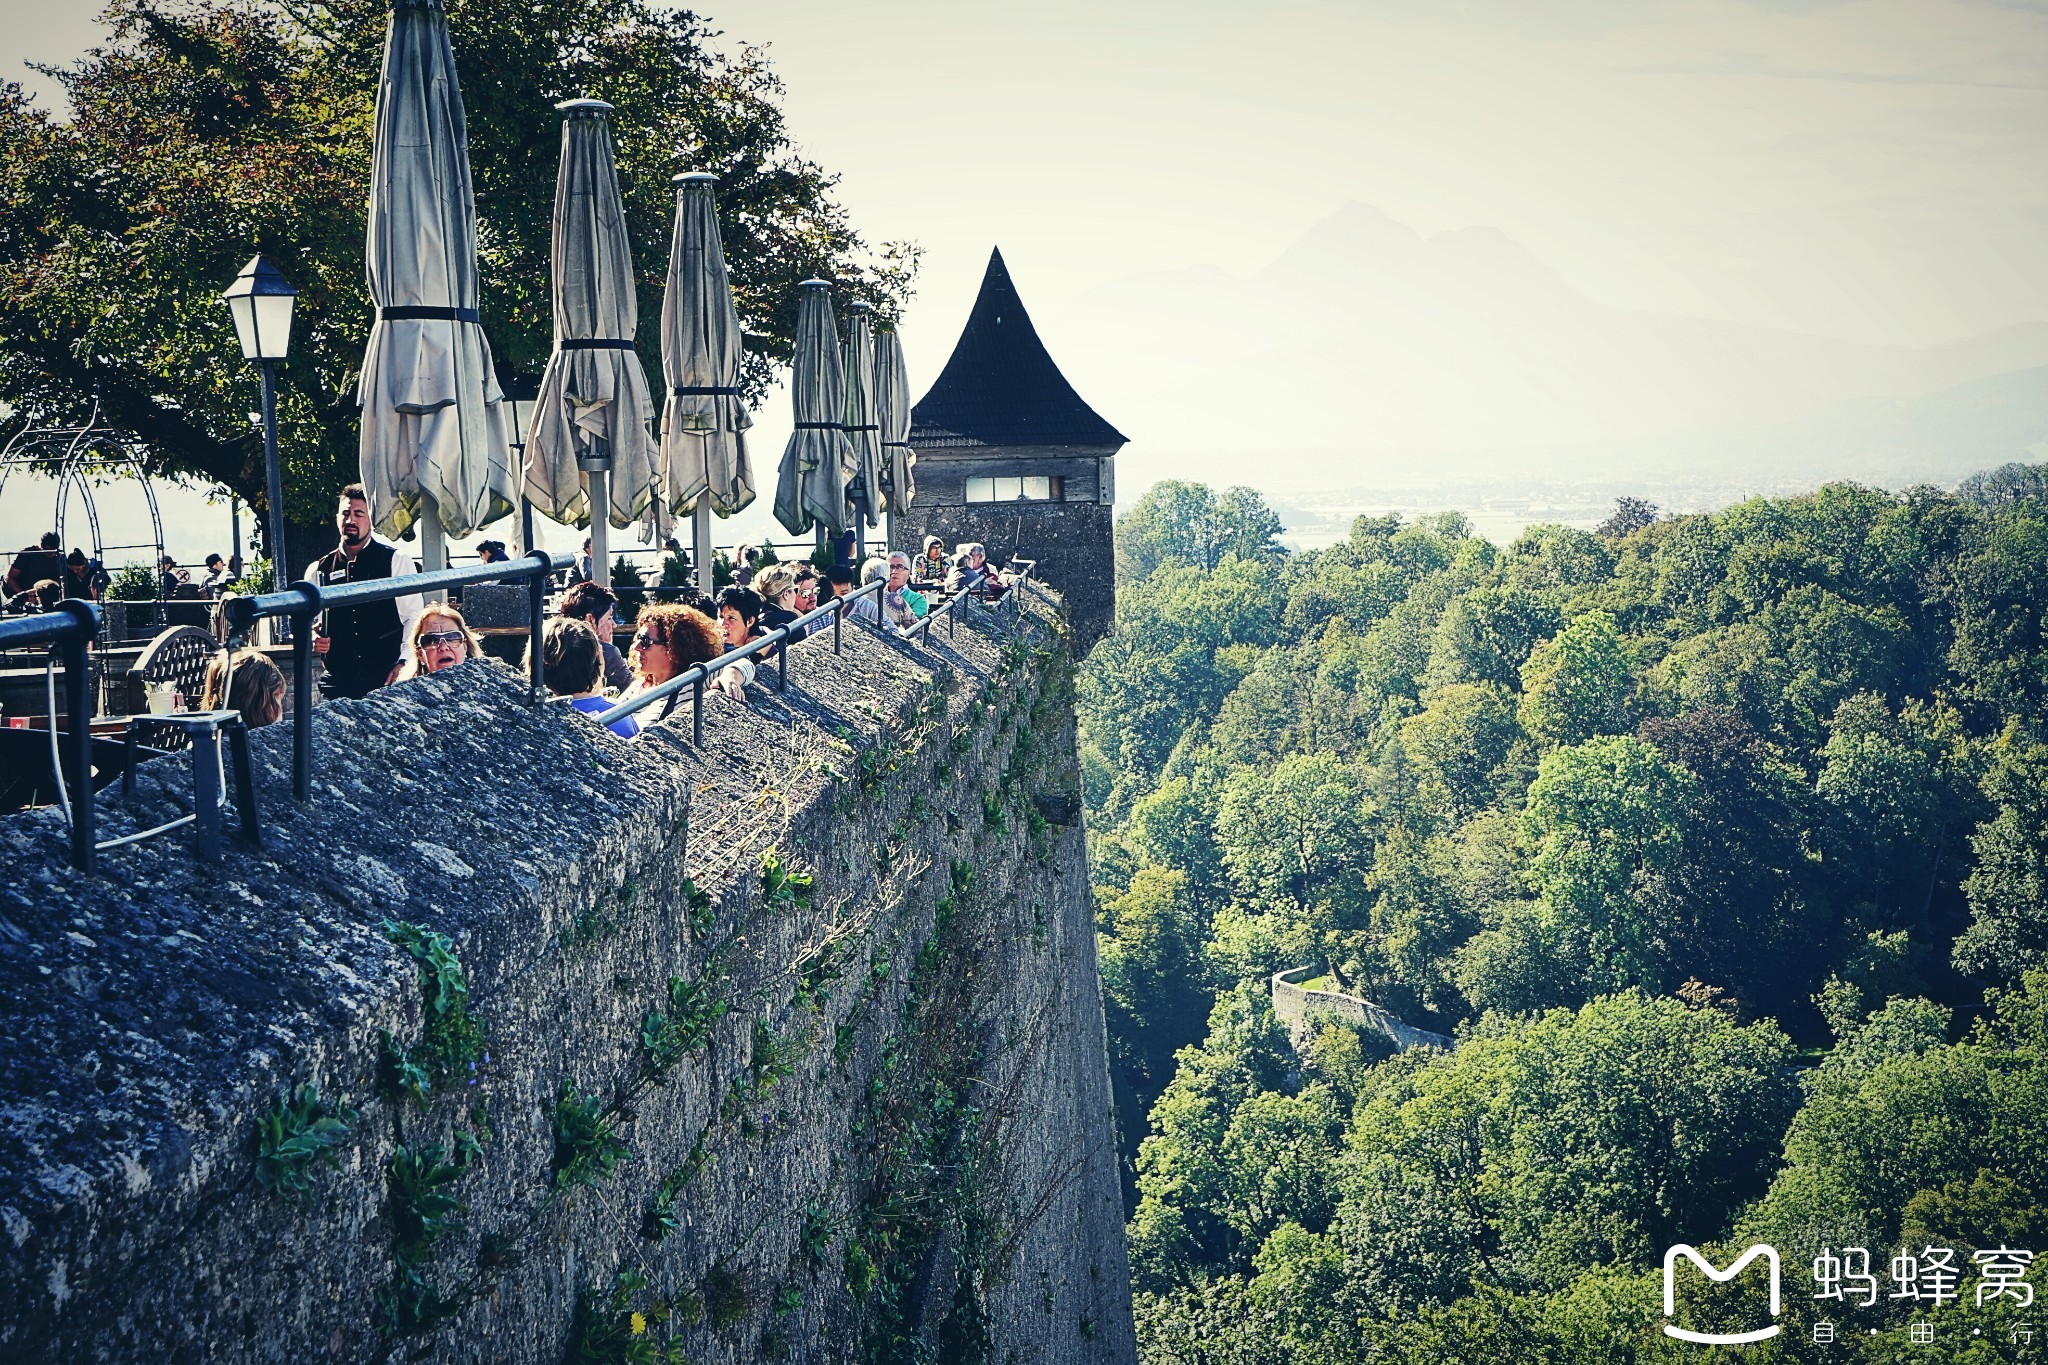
(440, 637)
(644, 639)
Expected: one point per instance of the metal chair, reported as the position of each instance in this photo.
(178, 656)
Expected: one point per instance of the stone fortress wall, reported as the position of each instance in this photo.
(1300, 1009)
(791, 1045)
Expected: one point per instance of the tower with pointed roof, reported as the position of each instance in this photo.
(1009, 455)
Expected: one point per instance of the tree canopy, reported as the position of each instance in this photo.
(1715, 841)
(201, 133)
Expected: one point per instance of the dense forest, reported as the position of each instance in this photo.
(1719, 844)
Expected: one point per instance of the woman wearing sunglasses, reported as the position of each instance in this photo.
(440, 639)
(669, 639)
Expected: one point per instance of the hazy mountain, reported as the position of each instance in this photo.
(1367, 335)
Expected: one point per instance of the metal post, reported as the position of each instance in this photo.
(838, 615)
(245, 783)
(537, 590)
(302, 705)
(273, 474)
(782, 654)
(697, 715)
(700, 544)
(205, 746)
(526, 518)
(78, 701)
(600, 525)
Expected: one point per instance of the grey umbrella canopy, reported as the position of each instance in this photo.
(703, 434)
(863, 435)
(593, 417)
(892, 415)
(810, 488)
(434, 422)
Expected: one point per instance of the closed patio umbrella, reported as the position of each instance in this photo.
(704, 429)
(810, 488)
(591, 457)
(892, 415)
(863, 435)
(434, 431)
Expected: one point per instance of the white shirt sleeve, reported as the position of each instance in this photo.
(410, 604)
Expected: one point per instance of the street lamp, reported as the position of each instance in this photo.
(260, 300)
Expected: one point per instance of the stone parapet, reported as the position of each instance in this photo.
(1301, 1009)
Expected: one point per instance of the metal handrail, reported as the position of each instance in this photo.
(695, 677)
(303, 600)
(69, 629)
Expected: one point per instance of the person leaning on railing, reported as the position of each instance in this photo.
(902, 604)
(570, 663)
(776, 587)
(670, 639)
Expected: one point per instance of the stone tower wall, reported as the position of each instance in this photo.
(862, 1117)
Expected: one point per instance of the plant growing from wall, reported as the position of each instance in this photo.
(587, 1150)
(782, 888)
(300, 1131)
(451, 1044)
(620, 1327)
(701, 913)
(422, 1212)
(684, 1028)
(728, 1295)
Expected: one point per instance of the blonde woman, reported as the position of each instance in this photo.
(440, 638)
(777, 586)
(245, 681)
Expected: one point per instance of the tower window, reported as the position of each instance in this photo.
(1028, 488)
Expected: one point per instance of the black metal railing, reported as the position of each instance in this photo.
(67, 631)
(695, 678)
(303, 600)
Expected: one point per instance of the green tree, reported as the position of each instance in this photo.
(2008, 890)
(1575, 685)
(1295, 831)
(199, 134)
(1190, 524)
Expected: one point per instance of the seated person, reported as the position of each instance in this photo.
(597, 607)
(739, 617)
(902, 605)
(492, 552)
(439, 638)
(867, 609)
(930, 569)
(569, 663)
(971, 573)
(217, 576)
(247, 682)
(669, 640)
(776, 586)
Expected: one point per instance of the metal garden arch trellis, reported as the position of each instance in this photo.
(77, 457)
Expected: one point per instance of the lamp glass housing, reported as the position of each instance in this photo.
(260, 301)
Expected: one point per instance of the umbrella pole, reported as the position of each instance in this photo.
(433, 542)
(700, 542)
(600, 526)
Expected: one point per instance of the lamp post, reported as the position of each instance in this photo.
(260, 300)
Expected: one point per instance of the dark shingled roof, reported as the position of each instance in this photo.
(1000, 388)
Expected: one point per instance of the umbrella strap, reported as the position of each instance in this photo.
(866, 428)
(704, 391)
(595, 344)
(408, 312)
(820, 426)
(904, 444)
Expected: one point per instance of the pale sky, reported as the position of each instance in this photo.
(1870, 170)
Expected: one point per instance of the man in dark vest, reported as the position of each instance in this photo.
(360, 644)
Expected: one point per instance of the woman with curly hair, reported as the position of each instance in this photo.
(670, 639)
